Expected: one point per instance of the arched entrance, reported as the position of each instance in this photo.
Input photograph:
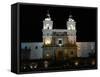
(59, 55)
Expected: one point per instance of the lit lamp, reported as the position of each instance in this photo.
(47, 55)
(24, 67)
(35, 66)
(46, 64)
(31, 66)
(76, 63)
(93, 62)
(47, 41)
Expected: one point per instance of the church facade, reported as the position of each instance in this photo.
(59, 43)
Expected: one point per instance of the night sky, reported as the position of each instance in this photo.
(32, 16)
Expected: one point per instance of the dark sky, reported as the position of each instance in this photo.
(32, 16)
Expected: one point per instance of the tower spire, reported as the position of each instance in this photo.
(48, 14)
(70, 16)
(47, 22)
(48, 18)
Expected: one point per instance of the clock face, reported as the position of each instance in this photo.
(47, 41)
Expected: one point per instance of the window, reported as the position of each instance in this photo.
(60, 42)
(36, 47)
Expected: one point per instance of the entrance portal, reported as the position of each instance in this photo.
(59, 55)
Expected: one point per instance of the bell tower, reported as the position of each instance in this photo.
(47, 23)
(47, 29)
(47, 37)
(71, 30)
